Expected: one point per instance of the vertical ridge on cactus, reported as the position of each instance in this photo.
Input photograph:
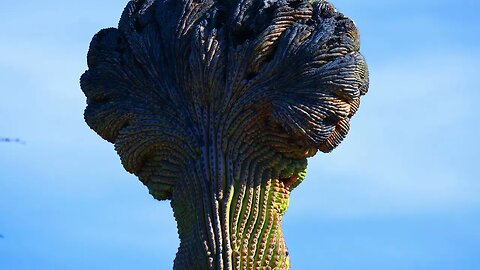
(216, 106)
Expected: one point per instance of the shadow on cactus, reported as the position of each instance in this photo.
(216, 106)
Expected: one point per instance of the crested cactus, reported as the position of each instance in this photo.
(216, 105)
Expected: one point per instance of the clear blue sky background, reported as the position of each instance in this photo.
(402, 191)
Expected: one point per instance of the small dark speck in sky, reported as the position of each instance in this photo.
(1, 236)
(12, 140)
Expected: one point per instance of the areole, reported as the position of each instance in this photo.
(216, 106)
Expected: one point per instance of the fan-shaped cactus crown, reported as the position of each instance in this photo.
(283, 77)
(217, 105)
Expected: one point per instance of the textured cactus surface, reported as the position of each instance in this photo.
(216, 106)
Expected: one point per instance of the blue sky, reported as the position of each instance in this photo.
(401, 192)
